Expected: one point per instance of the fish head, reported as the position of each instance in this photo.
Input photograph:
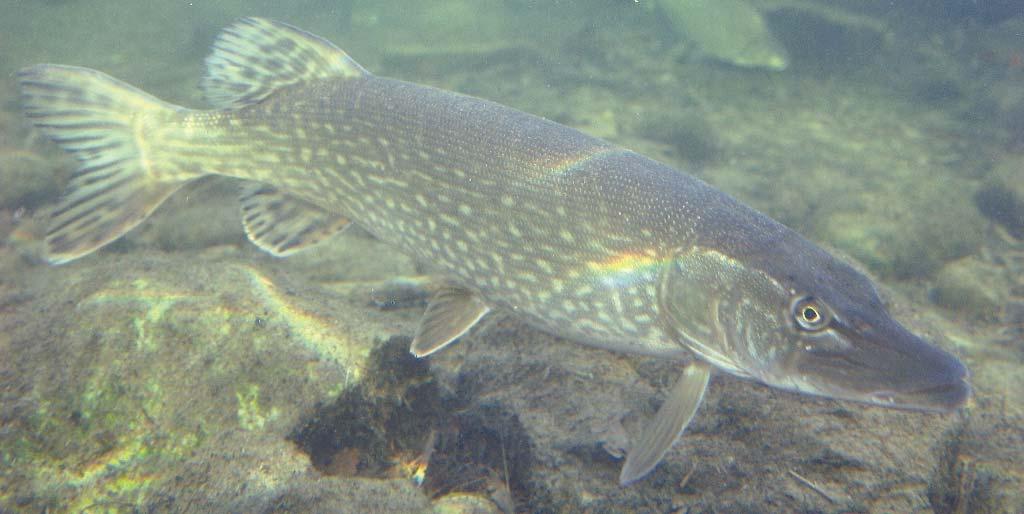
(804, 322)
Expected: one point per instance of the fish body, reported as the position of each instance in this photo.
(730, 31)
(566, 232)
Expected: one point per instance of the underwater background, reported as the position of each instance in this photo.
(180, 369)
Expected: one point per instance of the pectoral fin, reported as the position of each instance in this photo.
(450, 313)
(668, 424)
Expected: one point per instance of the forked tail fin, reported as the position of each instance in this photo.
(108, 126)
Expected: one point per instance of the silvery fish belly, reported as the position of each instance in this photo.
(569, 233)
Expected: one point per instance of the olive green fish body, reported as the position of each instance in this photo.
(569, 233)
(561, 228)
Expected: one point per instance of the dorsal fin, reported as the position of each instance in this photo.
(255, 57)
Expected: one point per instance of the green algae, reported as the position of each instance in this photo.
(250, 415)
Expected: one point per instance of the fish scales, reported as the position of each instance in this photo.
(509, 203)
(574, 235)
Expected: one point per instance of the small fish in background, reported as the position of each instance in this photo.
(730, 31)
(566, 232)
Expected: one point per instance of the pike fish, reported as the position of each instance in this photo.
(568, 233)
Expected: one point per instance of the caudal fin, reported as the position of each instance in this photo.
(108, 126)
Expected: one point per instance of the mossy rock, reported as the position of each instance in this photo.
(972, 287)
(908, 236)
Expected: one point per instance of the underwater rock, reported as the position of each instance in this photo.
(911, 237)
(465, 27)
(1001, 199)
(972, 287)
(196, 218)
(26, 179)
(462, 503)
(125, 370)
(689, 135)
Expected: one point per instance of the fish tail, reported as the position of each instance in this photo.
(109, 127)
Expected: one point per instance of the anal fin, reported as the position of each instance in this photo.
(282, 224)
(668, 424)
(450, 313)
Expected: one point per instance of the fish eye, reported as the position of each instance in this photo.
(810, 314)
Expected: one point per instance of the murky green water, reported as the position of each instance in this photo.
(180, 369)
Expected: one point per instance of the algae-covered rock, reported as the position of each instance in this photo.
(463, 503)
(972, 287)
(909, 237)
(1001, 199)
(125, 370)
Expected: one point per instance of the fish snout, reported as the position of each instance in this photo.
(940, 383)
(916, 374)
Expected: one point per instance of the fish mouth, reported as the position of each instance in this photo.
(886, 365)
(945, 397)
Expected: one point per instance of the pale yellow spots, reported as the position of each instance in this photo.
(544, 266)
(514, 230)
(462, 246)
(569, 306)
(383, 142)
(420, 199)
(508, 201)
(300, 133)
(448, 218)
(559, 210)
(528, 277)
(305, 154)
(368, 163)
(584, 290)
(567, 236)
(458, 173)
(616, 302)
(465, 210)
(431, 224)
(557, 285)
